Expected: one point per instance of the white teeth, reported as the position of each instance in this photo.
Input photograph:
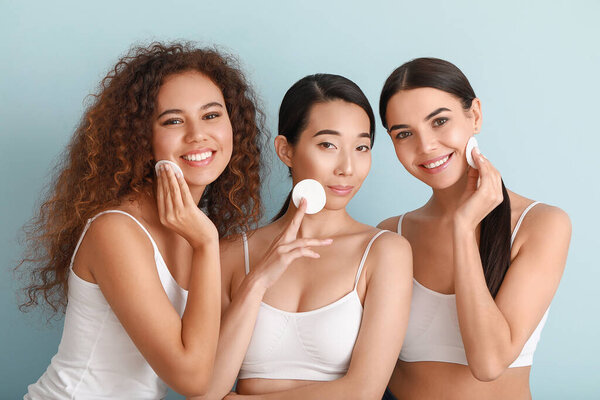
(437, 163)
(198, 156)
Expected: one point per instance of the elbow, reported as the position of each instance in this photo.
(487, 370)
(193, 382)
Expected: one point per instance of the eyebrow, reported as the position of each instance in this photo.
(179, 111)
(431, 115)
(336, 133)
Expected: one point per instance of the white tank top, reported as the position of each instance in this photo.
(96, 359)
(433, 333)
(313, 345)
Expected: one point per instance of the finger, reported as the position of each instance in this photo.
(167, 193)
(174, 189)
(304, 243)
(160, 194)
(292, 230)
(186, 195)
(299, 253)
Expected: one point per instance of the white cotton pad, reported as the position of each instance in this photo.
(314, 194)
(174, 167)
(471, 144)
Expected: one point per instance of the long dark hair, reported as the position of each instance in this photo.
(311, 90)
(494, 244)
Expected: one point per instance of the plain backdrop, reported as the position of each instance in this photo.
(534, 65)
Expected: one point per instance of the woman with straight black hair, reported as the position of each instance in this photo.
(487, 261)
(308, 318)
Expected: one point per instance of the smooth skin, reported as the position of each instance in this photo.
(117, 255)
(298, 273)
(427, 123)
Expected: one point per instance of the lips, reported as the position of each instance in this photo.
(437, 164)
(341, 190)
(199, 157)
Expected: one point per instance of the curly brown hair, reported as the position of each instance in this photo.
(110, 157)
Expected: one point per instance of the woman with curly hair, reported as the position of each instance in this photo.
(132, 255)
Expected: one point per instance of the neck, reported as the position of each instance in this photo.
(444, 202)
(197, 192)
(324, 224)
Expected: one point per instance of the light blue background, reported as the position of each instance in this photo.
(533, 64)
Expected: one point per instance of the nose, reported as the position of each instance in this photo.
(195, 131)
(426, 142)
(344, 165)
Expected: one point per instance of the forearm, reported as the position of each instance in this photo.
(344, 388)
(237, 326)
(485, 332)
(201, 318)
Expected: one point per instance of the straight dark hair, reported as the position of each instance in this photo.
(494, 243)
(309, 91)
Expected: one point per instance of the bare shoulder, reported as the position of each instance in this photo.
(545, 221)
(391, 254)
(119, 231)
(115, 241)
(390, 224)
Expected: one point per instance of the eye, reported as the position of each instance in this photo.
(327, 145)
(363, 147)
(403, 134)
(440, 121)
(173, 121)
(212, 115)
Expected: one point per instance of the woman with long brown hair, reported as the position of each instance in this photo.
(487, 261)
(130, 254)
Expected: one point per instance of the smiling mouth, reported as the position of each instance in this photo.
(198, 156)
(439, 163)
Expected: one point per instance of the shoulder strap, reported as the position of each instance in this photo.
(364, 257)
(89, 222)
(514, 234)
(399, 230)
(246, 256)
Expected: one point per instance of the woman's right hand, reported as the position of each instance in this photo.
(178, 211)
(286, 248)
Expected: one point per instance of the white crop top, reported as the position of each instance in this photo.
(433, 333)
(96, 358)
(313, 345)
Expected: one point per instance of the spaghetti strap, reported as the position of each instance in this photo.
(364, 257)
(246, 256)
(514, 234)
(399, 230)
(89, 222)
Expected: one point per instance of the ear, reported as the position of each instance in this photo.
(284, 150)
(476, 110)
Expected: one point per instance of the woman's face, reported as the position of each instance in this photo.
(334, 149)
(430, 130)
(191, 127)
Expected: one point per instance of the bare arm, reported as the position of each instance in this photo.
(181, 350)
(241, 310)
(385, 317)
(494, 331)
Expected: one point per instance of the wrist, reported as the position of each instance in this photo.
(463, 228)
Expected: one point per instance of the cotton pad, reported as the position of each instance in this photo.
(174, 167)
(314, 194)
(471, 144)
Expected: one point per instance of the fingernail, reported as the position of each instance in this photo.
(482, 158)
(477, 150)
(327, 240)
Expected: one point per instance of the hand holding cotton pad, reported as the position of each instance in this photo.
(176, 170)
(314, 194)
(471, 144)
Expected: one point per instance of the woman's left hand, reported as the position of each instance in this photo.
(482, 194)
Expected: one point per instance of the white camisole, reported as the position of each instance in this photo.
(433, 333)
(313, 345)
(96, 359)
